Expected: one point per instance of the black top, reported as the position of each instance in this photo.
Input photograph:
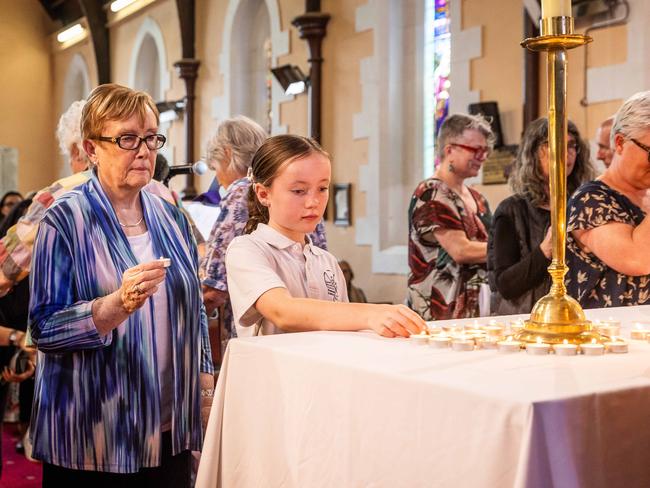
(517, 266)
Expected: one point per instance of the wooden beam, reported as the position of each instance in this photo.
(188, 70)
(96, 17)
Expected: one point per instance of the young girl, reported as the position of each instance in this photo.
(279, 281)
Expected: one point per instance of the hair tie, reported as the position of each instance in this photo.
(249, 174)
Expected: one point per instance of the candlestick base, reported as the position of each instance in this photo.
(555, 319)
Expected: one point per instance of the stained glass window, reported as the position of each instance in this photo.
(437, 63)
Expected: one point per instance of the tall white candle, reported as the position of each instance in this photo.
(556, 8)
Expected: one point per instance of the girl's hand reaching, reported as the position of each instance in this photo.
(395, 321)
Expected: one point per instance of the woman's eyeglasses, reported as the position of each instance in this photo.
(480, 152)
(642, 146)
(132, 142)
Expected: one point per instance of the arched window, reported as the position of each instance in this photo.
(252, 42)
(76, 86)
(148, 71)
(77, 82)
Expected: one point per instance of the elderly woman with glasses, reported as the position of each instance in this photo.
(117, 315)
(519, 247)
(448, 225)
(608, 230)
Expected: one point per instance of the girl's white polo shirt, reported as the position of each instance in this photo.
(266, 259)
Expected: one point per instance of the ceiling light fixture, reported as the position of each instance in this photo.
(73, 32)
(118, 5)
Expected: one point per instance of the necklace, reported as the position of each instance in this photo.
(131, 225)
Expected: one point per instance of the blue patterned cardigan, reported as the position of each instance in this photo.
(97, 399)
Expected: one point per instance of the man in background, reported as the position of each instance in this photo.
(604, 152)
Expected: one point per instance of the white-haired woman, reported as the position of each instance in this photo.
(230, 152)
(68, 133)
(608, 231)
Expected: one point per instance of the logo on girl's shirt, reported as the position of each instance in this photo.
(331, 285)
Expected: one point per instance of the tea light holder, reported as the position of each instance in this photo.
(538, 348)
(487, 342)
(462, 344)
(565, 349)
(441, 341)
(616, 346)
(421, 339)
(592, 348)
(509, 345)
(640, 330)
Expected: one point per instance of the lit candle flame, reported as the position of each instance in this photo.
(539, 340)
(565, 341)
(593, 341)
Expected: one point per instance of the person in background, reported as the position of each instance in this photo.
(69, 137)
(519, 246)
(449, 224)
(603, 134)
(16, 245)
(14, 308)
(355, 294)
(124, 361)
(230, 152)
(608, 228)
(8, 202)
(278, 280)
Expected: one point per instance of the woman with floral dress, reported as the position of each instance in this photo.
(449, 224)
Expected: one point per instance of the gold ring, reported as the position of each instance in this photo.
(138, 289)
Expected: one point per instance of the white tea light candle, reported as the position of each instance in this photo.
(509, 345)
(441, 341)
(421, 338)
(592, 349)
(538, 348)
(616, 346)
(565, 349)
(462, 344)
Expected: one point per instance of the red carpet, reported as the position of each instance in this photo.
(17, 471)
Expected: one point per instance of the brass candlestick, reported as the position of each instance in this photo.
(557, 317)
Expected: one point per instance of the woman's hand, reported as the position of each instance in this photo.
(547, 245)
(10, 376)
(395, 320)
(139, 283)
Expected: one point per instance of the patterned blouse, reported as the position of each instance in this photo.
(97, 399)
(589, 280)
(438, 286)
(231, 222)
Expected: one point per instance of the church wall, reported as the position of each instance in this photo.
(26, 91)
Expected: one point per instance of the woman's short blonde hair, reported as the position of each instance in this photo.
(113, 102)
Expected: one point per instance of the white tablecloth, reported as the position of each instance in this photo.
(332, 409)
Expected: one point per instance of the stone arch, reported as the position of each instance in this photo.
(224, 105)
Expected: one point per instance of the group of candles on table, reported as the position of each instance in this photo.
(495, 335)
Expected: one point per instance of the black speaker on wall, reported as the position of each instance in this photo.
(490, 110)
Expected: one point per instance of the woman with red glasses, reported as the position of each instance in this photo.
(608, 229)
(519, 247)
(448, 225)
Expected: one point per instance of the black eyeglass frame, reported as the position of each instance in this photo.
(118, 140)
(642, 146)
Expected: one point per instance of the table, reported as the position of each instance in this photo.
(336, 409)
